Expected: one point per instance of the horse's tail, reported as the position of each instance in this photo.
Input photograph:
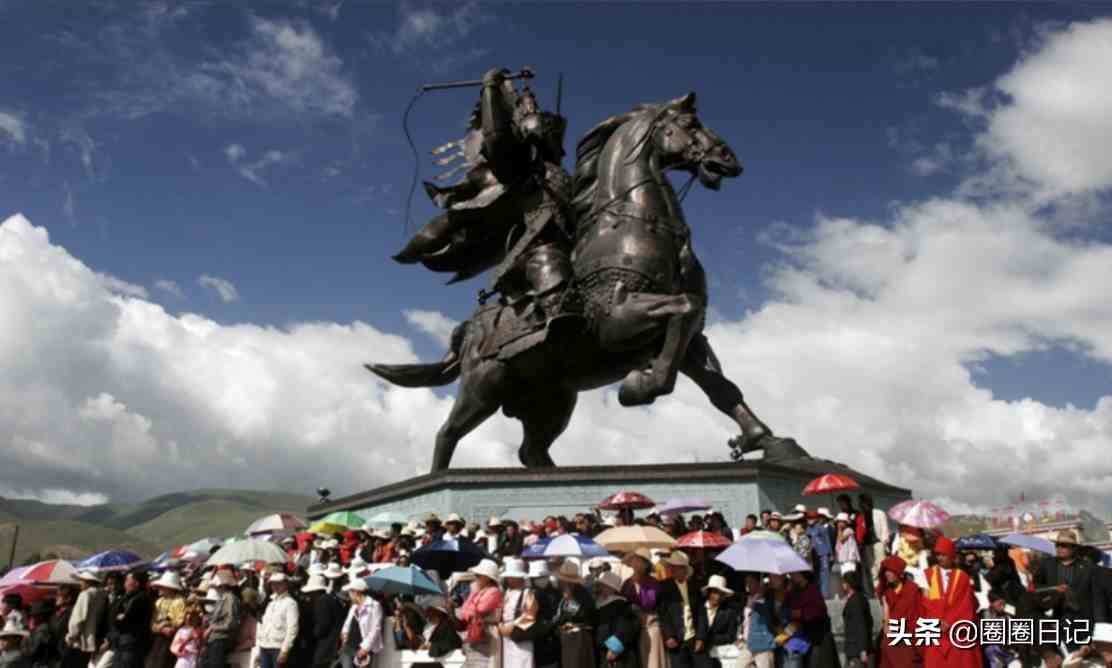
(439, 373)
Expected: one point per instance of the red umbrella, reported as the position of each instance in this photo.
(830, 483)
(625, 499)
(703, 540)
(29, 593)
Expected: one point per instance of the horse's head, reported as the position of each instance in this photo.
(683, 143)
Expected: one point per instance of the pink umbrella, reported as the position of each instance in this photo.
(921, 514)
(626, 499)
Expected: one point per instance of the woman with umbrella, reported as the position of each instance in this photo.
(642, 590)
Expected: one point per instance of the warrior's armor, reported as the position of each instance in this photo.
(511, 213)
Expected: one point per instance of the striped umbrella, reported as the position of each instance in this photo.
(830, 483)
(626, 499)
(119, 561)
(920, 514)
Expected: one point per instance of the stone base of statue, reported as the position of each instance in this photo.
(736, 489)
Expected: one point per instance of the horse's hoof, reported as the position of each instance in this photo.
(636, 389)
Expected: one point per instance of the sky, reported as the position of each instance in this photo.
(200, 200)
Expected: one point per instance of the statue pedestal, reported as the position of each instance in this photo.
(733, 488)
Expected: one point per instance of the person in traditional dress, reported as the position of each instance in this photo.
(949, 598)
(480, 614)
(440, 635)
(84, 619)
(618, 629)
(722, 619)
(683, 615)
(514, 654)
(643, 590)
(902, 601)
(575, 619)
(169, 615)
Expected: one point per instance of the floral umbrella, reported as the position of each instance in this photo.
(920, 514)
(703, 540)
(626, 499)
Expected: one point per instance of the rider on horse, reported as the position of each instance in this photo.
(512, 211)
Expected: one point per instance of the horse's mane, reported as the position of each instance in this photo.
(587, 153)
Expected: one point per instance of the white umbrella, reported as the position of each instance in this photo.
(248, 550)
(761, 555)
(276, 523)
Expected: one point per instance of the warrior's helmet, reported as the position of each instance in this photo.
(543, 129)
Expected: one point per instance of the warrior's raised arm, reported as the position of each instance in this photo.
(505, 152)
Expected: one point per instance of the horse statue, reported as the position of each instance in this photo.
(640, 288)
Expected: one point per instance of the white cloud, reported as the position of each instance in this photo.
(254, 171)
(234, 152)
(1053, 124)
(56, 496)
(285, 63)
(224, 288)
(88, 149)
(121, 287)
(434, 323)
(434, 26)
(13, 126)
(170, 287)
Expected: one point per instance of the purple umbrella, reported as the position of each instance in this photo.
(1028, 542)
(681, 505)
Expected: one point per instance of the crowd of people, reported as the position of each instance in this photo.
(644, 608)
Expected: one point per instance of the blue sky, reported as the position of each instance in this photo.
(260, 146)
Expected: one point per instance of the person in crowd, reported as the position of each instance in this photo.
(440, 637)
(617, 627)
(1070, 587)
(1097, 654)
(756, 636)
(808, 610)
(453, 528)
(42, 646)
(409, 625)
(857, 621)
(845, 505)
(751, 524)
(949, 598)
(643, 591)
(872, 535)
(1002, 655)
(479, 613)
(361, 637)
(722, 619)
(327, 621)
(774, 522)
(275, 637)
(515, 654)
(716, 523)
(846, 548)
(12, 636)
(766, 515)
(64, 601)
(169, 615)
(683, 615)
(595, 568)
(575, 619)
(189, 639)
(131, 622)
(510, 540)
(11, 610)
(243, 653)
(85, 621)
(546, 645)
(223, 621)
(797, 534)
(822, 543)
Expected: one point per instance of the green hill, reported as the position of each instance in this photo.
(148, 527)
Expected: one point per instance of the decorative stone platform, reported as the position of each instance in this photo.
(733, 488)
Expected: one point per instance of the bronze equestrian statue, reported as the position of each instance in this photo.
(597, 278)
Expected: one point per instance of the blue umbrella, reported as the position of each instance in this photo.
(448, 556)
(112, 560)
(1029, 542)
(979, 541)
(403, 580)
(573, 545)
(536, 550)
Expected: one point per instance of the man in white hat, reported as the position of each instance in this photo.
(453, 527)
(12, 636)
(682, 614)
(334, 573)
(327, 617)
(822, 542)
(361, 637)
(278, 631)
(223, 623)
(169, 615)
(81, 634)
(1076, 594)
(722, 620)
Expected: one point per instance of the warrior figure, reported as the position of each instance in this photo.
(512, 211)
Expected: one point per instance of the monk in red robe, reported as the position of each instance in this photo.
(901, 599)
(949, 598)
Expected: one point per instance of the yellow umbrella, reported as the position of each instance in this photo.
(326, 528)
(628, 539)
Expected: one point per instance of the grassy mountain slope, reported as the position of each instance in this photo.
(68, 540)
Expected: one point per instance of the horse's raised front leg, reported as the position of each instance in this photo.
(683, 315)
